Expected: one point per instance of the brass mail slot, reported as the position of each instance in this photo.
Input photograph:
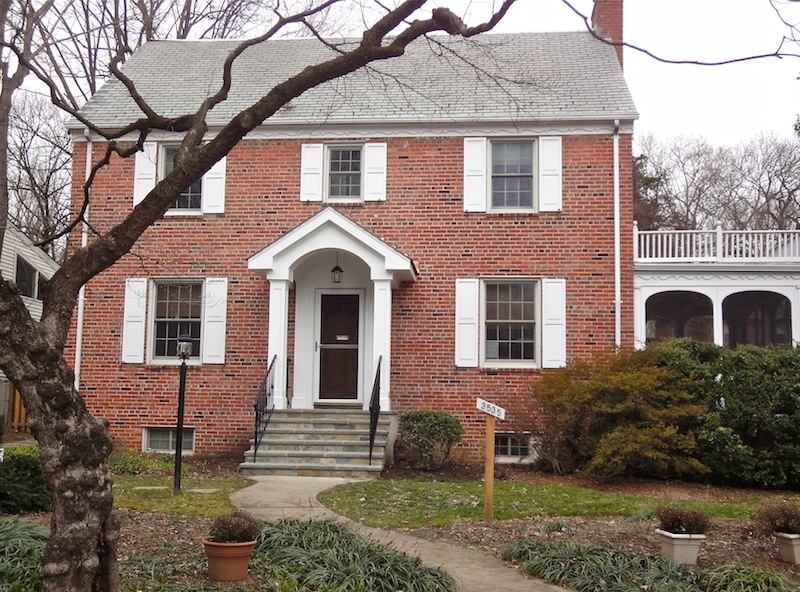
(342, 338)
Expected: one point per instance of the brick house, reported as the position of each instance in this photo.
(475, 195)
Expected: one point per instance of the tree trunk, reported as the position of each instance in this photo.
(81, 554)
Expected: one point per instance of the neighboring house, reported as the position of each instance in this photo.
(475, 194)
(28, 266)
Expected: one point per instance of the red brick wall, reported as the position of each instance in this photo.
(422, 217)
(607, 20)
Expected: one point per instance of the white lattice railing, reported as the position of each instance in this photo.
(742, 246)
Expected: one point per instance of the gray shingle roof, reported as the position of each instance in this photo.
(497, 77)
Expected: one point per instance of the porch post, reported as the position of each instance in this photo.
(381, 337)
(718, 320)
(277, 340)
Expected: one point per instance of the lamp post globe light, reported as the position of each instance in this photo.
(184, 351)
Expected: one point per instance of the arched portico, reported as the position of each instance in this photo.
(339, 331)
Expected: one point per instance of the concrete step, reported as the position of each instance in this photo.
(327, 442)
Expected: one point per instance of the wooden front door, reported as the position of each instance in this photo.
(338, 346)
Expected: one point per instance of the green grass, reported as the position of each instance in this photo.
(128, 493)
(419, 503)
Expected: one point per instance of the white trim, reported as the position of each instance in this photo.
(500, 127)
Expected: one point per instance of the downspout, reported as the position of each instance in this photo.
(82, 292)
(617, 242)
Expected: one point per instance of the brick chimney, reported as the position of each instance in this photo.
(607, 22)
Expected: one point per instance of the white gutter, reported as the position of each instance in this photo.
(82, 292)
(617, 235)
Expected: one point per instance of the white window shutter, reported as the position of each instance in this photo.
(550, 174)
(475, 183)
(467, 322)
(312, 161)
(554, 323)
(133, 320)
(145, 171)
(214, 189)
(215, 306)
(375, 172)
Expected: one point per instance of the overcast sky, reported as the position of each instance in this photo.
(726, 104)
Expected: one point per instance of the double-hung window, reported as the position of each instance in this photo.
(512, 175)
(157, 312)
(510, 322)
(205, 195)
(190, 198)
(178, 311)
(343, 173)
(516, 175)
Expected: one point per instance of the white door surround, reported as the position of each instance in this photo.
(302, 259)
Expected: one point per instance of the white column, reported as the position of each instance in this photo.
(277, 344)
(381, 338)
(718, 321)
(795, 311)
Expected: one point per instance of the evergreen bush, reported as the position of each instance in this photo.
(22, 484)
(430, 435)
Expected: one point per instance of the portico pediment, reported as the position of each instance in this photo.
(329, 229)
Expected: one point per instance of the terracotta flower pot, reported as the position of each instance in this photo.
(228, 562)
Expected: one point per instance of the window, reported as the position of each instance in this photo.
(514, 322)
(204, 196)
(179, 311)
(344, 173)
(510, 447)
(29, 281)
(190, 198)
(512, 174)
(164, 439)
(351, 173)
(510, 322)
(157, 312)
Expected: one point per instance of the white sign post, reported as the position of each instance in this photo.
(492, 411)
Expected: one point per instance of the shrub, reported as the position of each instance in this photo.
(779, 517)
(236, 527)
(132, 462)
(22, 484)
(682, 521)
(627, 413)
(430, 435)
(21, 552)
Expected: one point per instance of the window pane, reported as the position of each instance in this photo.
(510, 327)
(512, 174)
(191, 197)
(163, 439)
(344, 172)
(178, 312)
(26, 278)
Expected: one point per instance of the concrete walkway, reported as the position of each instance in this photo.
(274, 498)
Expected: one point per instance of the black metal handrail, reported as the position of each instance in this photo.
(374, 408)
(264, 405)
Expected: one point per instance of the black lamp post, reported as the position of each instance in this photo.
(184, 350)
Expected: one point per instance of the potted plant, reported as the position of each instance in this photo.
(681, 532)
(783, 520)
(230, 543)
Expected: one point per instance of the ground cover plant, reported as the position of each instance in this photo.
(21, 549)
